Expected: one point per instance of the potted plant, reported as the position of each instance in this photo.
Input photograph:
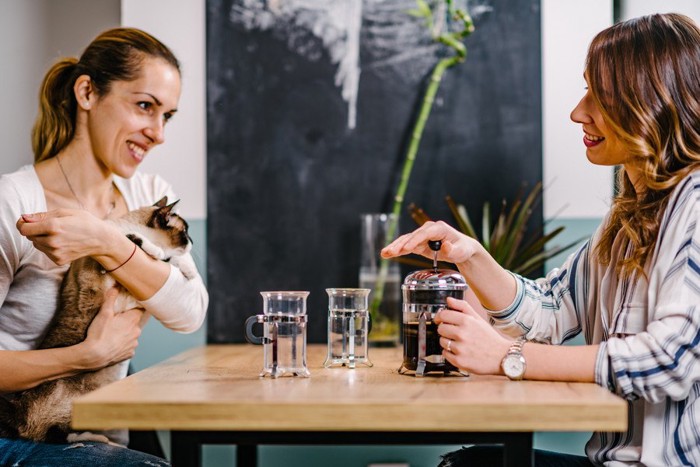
(506, 238)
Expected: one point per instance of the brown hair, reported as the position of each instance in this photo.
(643, 74)
(114, 55)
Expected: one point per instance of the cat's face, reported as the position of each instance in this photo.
(162, 226)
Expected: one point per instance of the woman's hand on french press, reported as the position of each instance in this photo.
(468, 341)
(456, 247)
(65, 235)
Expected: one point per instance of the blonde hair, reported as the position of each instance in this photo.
(643, 74)
(114, 55)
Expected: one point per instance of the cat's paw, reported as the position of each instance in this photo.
(186, 265)
(148, 246)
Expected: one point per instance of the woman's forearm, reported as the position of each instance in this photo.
(140, 274)
(24, 369)
(560, 362)
(494, 286)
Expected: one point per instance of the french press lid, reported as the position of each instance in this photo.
(433, 286)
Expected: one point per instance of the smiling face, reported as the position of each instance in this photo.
(603, 146)
(129, 120)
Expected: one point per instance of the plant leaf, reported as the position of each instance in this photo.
(539, 259)
(536, 244)
(521, 215)
(485, 228)
(418, 214)
(459, 212)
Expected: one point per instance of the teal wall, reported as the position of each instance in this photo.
(158, 343)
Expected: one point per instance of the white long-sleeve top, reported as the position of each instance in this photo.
(30, 281)
(648, 330)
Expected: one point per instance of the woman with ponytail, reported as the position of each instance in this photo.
(99, 116)
(633, 290)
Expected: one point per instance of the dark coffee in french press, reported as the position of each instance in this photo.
(425, 292)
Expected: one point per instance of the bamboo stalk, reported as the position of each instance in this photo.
(452, 40)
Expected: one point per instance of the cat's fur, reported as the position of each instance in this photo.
(43, 413)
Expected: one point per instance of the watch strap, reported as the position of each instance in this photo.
(516, 348)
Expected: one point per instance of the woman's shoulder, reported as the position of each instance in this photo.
(22, 188)
(686, 194)
(143, 189)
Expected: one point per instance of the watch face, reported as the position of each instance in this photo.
(514, 366)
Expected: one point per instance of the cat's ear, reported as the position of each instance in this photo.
(162, 202)
(166, 210)
(172, 205)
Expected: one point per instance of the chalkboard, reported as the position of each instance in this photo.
(300, 144)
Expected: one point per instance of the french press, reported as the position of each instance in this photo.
(425, 293)
(284, 333)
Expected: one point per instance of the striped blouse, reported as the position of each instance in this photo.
(648, 330)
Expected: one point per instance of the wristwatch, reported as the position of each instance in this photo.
(513, 364)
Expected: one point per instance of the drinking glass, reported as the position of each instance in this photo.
(348, 327)
(284, 333)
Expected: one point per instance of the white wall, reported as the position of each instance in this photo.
(633, 8)
(574, 188)
(23, 33)
(33, 34)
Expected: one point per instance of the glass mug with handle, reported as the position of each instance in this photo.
(284, 321)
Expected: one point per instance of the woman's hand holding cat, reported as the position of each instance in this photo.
(65, 235)
(112, 338)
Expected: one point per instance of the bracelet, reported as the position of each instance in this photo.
(105, 271)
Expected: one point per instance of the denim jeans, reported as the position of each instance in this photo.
(19, 452)
(489, 456)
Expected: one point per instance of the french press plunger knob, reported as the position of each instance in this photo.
(435, 245)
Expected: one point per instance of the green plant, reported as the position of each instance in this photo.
(458, 26)
(507, 238)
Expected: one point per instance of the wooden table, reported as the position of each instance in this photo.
(213, 394)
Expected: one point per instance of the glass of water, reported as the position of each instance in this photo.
(348, 327)
(284, 322)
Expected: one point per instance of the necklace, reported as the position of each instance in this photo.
(70, 187)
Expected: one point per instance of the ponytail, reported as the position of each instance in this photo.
(55, 124)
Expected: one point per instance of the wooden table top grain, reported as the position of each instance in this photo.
(217, 387)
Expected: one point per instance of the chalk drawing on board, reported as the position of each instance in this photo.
(391, 40)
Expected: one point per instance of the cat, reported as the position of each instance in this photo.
(43, 413)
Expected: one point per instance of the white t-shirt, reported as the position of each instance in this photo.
(30, 281)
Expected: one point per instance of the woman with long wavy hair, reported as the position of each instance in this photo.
(633, 289)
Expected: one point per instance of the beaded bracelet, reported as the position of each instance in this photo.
(105, 271)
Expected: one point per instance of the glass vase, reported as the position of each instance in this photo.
(381, 276)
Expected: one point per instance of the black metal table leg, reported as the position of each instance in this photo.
(247, 455)
(517, 450)
(185, 449)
